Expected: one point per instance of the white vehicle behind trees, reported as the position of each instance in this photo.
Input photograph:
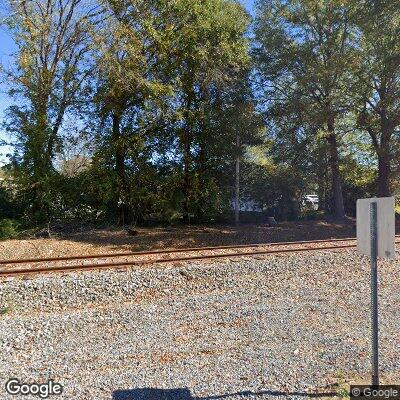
(311, 201)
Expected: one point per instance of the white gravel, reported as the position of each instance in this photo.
(249, 329)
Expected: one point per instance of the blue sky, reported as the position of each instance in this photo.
(6, 48)
(248, 4)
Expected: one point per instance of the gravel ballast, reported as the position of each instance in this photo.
(248, 329)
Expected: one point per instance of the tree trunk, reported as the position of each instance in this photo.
(41, 154)
(338, 207)
(40, 159)
(384, 173)
(187, 133)
(237, 182)
(187, 161)
(321, 194)
(323, 183)
(119, 153)
(384, 156)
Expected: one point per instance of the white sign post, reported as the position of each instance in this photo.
(375, 238)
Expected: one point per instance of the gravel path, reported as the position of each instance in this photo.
(231, 330)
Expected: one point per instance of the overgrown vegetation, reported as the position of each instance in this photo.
(135, 112)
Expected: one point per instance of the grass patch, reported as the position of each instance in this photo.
(5, 310)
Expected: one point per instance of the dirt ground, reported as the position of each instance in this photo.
(100, 241)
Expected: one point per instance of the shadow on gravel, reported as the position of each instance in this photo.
(184, 394)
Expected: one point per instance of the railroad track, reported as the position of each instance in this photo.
(136, 258)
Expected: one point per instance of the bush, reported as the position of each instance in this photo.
(8, 229)
(312, 215)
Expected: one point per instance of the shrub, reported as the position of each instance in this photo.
(8, 229)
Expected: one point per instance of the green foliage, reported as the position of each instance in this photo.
(342, 385)
(8, 229)
(159, 99)
(329, 70)
(359, 182)
(5, 310)
(7, 206)
(376, 87)
(49, 71)
(277, 189)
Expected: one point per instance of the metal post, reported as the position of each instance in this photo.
(374, 293)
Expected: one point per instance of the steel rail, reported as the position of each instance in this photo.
(183, 250)
(126, 264)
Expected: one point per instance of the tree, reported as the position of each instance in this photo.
(237, 127)
(165, 73)
(53, 42)
(303, 55)
(209, 48)
(129, 89)
(377, 88)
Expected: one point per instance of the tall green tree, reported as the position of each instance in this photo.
(303, 55)
(377, 81)
(209, 49)
(233, 126)
(166, 73)
(129, 89)
(50, 68)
